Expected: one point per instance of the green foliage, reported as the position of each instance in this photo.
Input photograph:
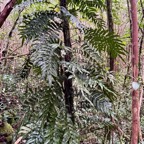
(31, 1)
(102, 40)
(47, 119)
(49, 122)
(26, 68)
(88, 10)
(87, 4)
(34, 25)
(7, 129)
(102, 101)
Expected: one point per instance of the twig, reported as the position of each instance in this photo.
(120, 131)
(18, 140)
(12, 57)
(10, 35)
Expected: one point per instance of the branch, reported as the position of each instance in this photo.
(12, 57)
(6, 11)
(18, 140)
(4, 53)
(120, 131)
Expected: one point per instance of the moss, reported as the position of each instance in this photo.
(8, 130)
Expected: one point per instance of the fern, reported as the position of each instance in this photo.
(84, 4)
(90, 79)
(46, 56)
(49, 122)
(36, 24)
(88, 10)
(102, 40)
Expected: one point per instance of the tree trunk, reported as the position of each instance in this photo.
(6, 11)
(68, 89)
(135, 60)
(111, 29)
(129, 47)
(112, 60)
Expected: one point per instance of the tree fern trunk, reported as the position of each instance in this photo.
(135, 60)
(68, 90)
(6, 11)
(110, 27)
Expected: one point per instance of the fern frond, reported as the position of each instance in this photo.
(38, 23)
(90, 53)
(88, 10)
(102, 40)
(30, 2)
(85, 3)
(46, 55)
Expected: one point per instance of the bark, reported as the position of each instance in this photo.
(135, 60)
(111, 29)
(68, 89)
(6, 11)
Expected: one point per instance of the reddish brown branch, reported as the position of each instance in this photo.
(120, 131)
(6, 11)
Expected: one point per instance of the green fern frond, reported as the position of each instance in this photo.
(85, 3)
(38, 23)
(88, 10)
(46, 55)
(26, 68)
(102, 40)
(30, 1)
(90, 53)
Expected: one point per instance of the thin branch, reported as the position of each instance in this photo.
(18, 140)
(12, 57)
(10, 35)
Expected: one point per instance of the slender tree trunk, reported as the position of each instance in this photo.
(6, 11)
(112, 60)
(141, 68)
(135, 60)
(111, 29)
(129, 47)
(68, 90)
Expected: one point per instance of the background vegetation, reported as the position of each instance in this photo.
(66, 72)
